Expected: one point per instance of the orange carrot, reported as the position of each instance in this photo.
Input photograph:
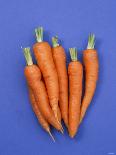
(75, 71)
(59, 115)
(59, 57)
(43, 55)
(33, 77)
(91, 64)
(39, 115)
(58, 112)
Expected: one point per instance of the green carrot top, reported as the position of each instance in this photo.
(28, 56)
(91, 41)
(73, 54)
(39, 34)
(55, 41)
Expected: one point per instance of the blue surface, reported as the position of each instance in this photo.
(72, 21)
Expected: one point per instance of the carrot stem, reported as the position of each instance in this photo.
(73, 54)
(27, 55)
(91, 41)
(39, 34)
(55, 41)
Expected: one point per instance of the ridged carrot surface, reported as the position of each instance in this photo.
(59, 57)
(75, 71)
(43, 122)
(43, 55)
(33, 77)
(90, 59)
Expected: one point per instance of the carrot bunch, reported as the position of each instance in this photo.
(56, 93)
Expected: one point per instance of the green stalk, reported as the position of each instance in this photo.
(73, 54)
(55, 41)
(27, 55)
(91, 41)
(39, 34)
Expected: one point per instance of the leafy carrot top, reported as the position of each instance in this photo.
(73, 54)
(27, 55)
(91, 41)
(39, 34)
(55, 41)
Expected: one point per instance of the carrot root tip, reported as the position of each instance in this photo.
(62, 131)
(51, 136)
(71, 136)
(62, 128)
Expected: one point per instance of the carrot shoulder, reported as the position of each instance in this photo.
(59, 57)
(43, 55)
(33, 77)
(75, 71)
(90, 59)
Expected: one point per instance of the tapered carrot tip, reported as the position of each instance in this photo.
(83, 111)
(51, 136)
(62, 130)
(56, 116)
(80, 120)
(71, 136)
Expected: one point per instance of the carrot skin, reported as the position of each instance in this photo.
(59, 57)
(33, 76)
(90, 59)
(75, 71)
(37, 112)
(43, 55)
(39, 115)
(59, 115)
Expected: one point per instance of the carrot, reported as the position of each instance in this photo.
(33, 77)
(43, 55)
(75, 71)
(90, 59)
(39, 115)
(59, 115)
(59, 57)
(58, 112)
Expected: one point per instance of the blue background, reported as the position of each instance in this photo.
(72, 21)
